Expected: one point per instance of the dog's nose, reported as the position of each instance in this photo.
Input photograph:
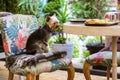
(57, 26)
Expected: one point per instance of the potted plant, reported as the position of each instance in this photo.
(61, 43)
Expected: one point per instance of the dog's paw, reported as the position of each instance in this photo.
(60, 52)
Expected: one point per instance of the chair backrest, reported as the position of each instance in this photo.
(3, 14)
(15, 30)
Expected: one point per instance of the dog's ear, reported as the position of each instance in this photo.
(54, 14)
(47, 18)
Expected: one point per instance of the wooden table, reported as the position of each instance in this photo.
(113, 31)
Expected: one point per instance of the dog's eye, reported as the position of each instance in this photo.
(55, 22)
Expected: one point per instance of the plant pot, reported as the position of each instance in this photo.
(95, 47)
(68, 47)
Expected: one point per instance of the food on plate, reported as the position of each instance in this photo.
(97, 21)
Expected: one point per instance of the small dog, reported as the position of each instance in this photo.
(37, 41)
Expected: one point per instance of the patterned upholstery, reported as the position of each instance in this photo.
(102, 58)
(15, 31)
(2, 14)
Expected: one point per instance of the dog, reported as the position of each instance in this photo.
(38, 40)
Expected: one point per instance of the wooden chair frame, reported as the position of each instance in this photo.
(86, 71)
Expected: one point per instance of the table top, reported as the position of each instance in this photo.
(82, 29)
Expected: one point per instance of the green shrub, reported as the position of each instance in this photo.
(33, 7)
(88, 8)
(51, 6)
(9, 6)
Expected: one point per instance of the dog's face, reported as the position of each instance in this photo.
(52, 21)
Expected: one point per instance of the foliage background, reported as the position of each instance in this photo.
(88, 8)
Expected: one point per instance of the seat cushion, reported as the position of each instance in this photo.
(102, 58)
(48, 66)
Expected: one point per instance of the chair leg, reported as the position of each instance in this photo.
(30, 77)
(37, 77)
(108, 72)
(71, 72)
(11, 75)
(86, 71)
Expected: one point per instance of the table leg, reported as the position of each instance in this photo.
(114, 58)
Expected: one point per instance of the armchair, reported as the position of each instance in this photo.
(15, 31)
(103, 58)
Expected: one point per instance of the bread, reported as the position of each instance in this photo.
(96, 21)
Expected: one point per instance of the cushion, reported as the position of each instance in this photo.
(48, 66)
(102, 58)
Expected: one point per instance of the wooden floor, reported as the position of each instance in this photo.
(57, 75)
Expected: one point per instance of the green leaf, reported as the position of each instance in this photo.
(22, 2)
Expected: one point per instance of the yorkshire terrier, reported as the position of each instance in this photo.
(38, 40)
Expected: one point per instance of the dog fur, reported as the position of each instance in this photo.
(37, 41)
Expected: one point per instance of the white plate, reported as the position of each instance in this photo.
(77, 20)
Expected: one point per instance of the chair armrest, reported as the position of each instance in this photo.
(23, 60)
